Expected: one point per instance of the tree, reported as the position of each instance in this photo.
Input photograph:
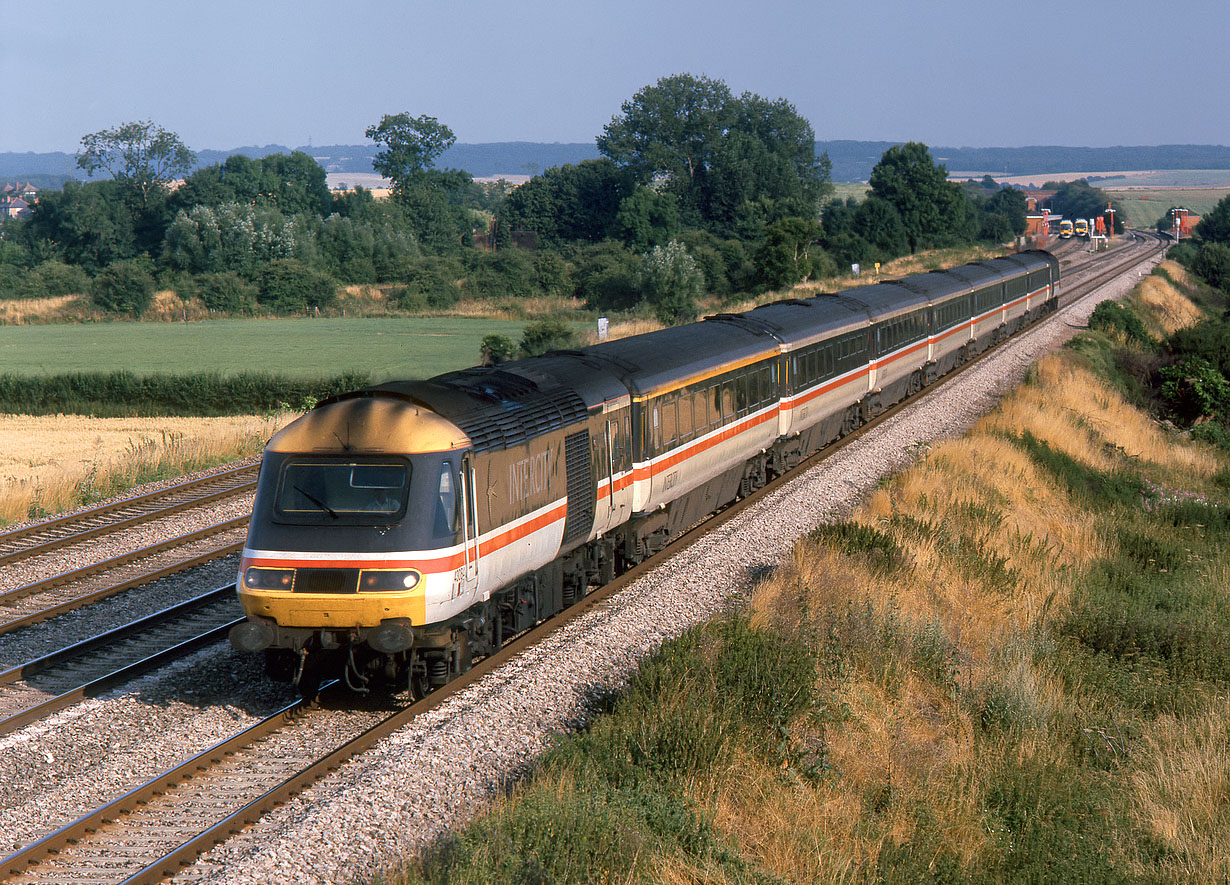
(1078, 199)
(647, 219)
(1212, 264)
(607, 276)
(287, 285)
(230, 237)
(932, 209)
(671, 281)
(784, 257)
(671, 129)
(291, 183)
(89, 223)
(1214, 227)
(567, 203)
(733, 163)
(411, 145)
(142, 155)
(1011, 204)
(878, 222)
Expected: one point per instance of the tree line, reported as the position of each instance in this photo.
(698, 191)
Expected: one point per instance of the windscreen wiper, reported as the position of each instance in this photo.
(319, 503)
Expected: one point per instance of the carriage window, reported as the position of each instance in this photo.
(685, 416)
(670, 430)
(728, 400)
(741, 394)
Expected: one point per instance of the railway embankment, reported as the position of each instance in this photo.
(1008, 663)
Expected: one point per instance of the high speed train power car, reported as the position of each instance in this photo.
(401, 530)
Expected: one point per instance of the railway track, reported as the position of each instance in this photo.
(43, 686)
(75, 528)
(66, 591)
(144, 835)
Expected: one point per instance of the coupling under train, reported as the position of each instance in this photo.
(402, 530)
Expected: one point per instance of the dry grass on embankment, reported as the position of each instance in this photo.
(986, 544)
(53, 463)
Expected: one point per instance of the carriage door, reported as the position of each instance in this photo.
(466, 578)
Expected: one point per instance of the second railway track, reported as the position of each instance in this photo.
(74, 528)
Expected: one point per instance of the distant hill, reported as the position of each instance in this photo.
(852, 160)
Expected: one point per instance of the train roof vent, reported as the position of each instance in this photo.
(519, 420)
(490, 384)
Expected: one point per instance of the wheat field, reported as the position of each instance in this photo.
(55, 462)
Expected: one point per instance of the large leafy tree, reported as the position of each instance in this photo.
(89, 224)
(1079, 199)
(567, 203)
(734, 163)
(436, 203)
(1214, 227)
(141, 155)
(291, 183)
(410, 147)
(932, 209)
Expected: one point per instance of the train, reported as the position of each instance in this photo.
(401, 531)
(1065, 229)
(1080, 228)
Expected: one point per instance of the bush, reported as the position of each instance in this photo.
(226, 292)
(432, 283)
(123, 287)
(14, 281)
(550, 273)
(1194, 389)
(507, 272)
(1212, 264)
(1111, 316)
(607, 276)
(547, 334)
(287, 285)
(105, 394)
(56, 278)
(671, 282)
(1209, 339)
(497, 349)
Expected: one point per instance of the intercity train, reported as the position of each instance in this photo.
(402, 530)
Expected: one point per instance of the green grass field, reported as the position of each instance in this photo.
(384, 347)
(843, 190)
(1144, 206)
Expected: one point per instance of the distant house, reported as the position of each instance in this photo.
(27, 191)
(14, 207)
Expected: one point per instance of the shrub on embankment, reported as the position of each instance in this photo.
(110, 394)
(1009, 665)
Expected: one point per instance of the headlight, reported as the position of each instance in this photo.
(268, 578)
(372, 580)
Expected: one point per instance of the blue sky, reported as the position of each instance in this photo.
(947, 72)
